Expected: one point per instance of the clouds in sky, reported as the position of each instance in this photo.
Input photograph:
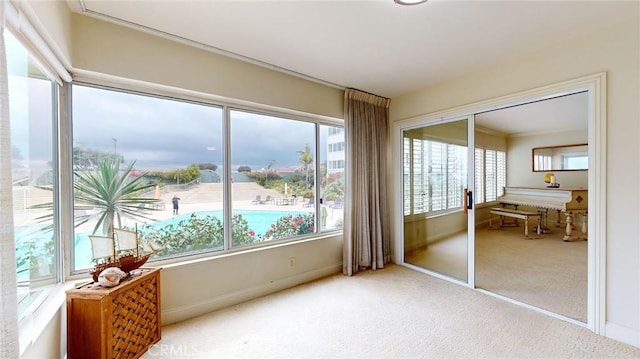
(161, 134)
(158, 133)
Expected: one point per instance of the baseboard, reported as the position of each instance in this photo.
(193, 310)
(622, 334)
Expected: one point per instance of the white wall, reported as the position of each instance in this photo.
(615, 50)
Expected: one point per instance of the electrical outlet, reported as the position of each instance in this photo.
(292, 262)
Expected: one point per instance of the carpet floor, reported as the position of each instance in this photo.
(393, 312)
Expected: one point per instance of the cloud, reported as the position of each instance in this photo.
(162, 133)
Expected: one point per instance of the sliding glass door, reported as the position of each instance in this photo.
(437, 201)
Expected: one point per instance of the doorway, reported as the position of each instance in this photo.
(590, 314)
(540, 270)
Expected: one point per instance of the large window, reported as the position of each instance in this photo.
(274, 180)
(173, 149)
(32, 113)
(186, 159)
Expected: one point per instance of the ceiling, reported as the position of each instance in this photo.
(378, 46)
(563, 113)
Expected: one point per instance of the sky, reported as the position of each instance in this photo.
(161, 133)
(158, 133)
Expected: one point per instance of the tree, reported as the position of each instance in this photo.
(113, 194)
(207, 166)
(244, 169)
(306, 159)
(191, 173)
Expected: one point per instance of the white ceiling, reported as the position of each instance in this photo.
(375, 46)
(378, 46)
(564, 113)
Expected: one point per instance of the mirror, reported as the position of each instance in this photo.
(560, 158)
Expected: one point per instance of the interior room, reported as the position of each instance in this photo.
(507, 142)
(484, 122)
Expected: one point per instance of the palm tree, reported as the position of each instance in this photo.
(306, 158)
(113, 193)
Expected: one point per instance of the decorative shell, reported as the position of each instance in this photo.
(111, 277)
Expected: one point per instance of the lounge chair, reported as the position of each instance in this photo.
(266, 200)
(258, 200)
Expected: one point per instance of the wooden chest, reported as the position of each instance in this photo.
(118, 322)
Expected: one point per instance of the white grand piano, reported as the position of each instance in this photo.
(568, 201)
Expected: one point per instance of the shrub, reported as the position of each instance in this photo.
(290, 226)
(206, 232)
(191, 234)
(240, 231)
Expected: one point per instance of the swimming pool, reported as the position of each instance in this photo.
(258, 221)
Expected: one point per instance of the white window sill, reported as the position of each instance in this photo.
(40, 313)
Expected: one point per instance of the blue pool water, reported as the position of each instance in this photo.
(259, 222)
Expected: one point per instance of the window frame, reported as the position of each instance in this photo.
(49, 289)
(227, 105)
(501, 176)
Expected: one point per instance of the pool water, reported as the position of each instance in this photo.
(259, 222)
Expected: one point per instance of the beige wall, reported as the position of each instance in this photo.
(615, 50)
(106, 48)
(93, 45)
(197, 287)
(191, 289)
(53, 23)
(49, 343)
(519, 172)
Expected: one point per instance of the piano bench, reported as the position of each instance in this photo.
(512, 213)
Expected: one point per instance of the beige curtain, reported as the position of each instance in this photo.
(366, 229)
(9, 344)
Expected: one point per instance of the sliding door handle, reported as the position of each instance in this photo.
(468, 201)
(465, 200)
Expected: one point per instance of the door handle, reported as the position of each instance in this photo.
(468, 200)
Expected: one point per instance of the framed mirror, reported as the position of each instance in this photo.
(560, 158)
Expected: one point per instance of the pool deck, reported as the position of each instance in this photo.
(208, 197)
(202, 197)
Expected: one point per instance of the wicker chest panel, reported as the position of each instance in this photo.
(119, 322)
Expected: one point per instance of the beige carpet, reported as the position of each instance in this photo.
(394, 312)
(546, 272)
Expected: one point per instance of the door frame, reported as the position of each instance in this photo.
(595, 86)
(470, 142)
